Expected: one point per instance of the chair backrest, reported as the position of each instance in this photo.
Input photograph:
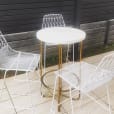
(3, 42)
(5, 49)
(107, 62)
(53, 20)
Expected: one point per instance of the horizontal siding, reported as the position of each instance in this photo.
(26, 15)
(19, 15)
(111, 32)
(27, 42)
(96, 10)
(95, 33)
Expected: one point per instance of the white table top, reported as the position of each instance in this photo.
(61, 35)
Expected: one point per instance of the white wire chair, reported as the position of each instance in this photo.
(52, 20)
(87, 77)
(12, 60)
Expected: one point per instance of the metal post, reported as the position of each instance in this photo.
(76, 23)
(76, 13)
(107, 32)
(59, 79)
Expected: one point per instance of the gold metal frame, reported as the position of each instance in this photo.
(59, 66)
(59, 79)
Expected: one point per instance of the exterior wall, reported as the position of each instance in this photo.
(25, 17)
(96, 31)
(111, 32)
(96, 10)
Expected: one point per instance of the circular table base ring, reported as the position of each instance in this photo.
(49, 88)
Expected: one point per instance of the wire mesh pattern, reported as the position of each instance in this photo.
(90, 78)
(86, 77)
(53, 20)
(3, 41)
(11, 59)
(107, 62)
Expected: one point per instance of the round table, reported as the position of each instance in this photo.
(60, 36)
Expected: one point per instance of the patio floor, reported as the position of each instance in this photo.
(41, 105)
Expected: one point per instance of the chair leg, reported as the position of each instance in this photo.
(9, 92)
(37, 72)
(15, 75)
(29, 87)
(54, 92)
(80, 102)
(79, 95)
(108, 98)
(71, 101)
(2, 88)
(97, 102)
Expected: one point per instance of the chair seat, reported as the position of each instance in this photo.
(19, 60)
(88, 80)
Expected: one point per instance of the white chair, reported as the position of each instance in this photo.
(12, 60)
(87, 77)
(52, 20)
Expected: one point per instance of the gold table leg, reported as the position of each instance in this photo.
(59, 79)
(59, 66)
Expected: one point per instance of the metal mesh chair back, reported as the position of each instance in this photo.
(6, 52)
(107, 62)
(53, 20)
(11, 59)
(5, 49)
(3, 42)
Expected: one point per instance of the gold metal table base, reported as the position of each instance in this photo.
(59, 79)
(59, 67)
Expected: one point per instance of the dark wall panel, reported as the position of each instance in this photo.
(26, 15)
(96, 10)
